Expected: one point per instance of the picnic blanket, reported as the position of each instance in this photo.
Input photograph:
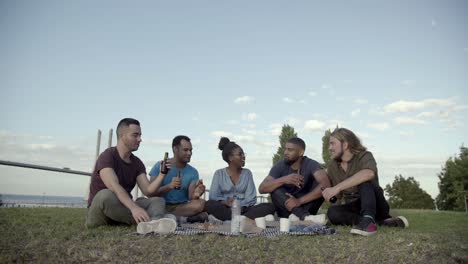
(299, 228)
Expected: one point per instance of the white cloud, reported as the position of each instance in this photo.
(440, 114)
(249, 116)
(43, 146)
(406, 133)
(433, 23)
(460, 107)
(409, 120)
(244, 138)
(312, 93)
(292, 121)
(360, 101)
(219, 133)
(379, 126)
(244, 100)
(402, 106)
(314, 125)
(363, 135)
(334, 122)
(408, 82)
(355, 112)
(276, 129)
(293, 101)
(158, 142)
(233, 122)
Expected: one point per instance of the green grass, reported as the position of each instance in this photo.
(58, 235)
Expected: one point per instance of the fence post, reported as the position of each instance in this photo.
(98, 147)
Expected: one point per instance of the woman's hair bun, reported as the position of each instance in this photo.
(223, 142)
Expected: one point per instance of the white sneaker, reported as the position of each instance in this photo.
(319, 219)
(293, 218)
(269, 218)
(213, 220)
(160, 226)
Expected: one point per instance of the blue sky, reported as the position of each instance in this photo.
(395, 72)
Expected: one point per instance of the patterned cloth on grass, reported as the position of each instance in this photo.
(272, 230)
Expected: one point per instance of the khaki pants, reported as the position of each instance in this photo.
(107, 209)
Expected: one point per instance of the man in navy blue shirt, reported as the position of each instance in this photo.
(295, 183)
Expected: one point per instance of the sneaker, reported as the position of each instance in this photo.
(319, 219)
(200, 217)
(160, 226)
(399, 221)
(293, 218)
(213, 220)
(366, 227)
(269, 218)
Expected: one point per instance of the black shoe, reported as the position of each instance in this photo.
(200, 217)
(366, 227)
(399, 221)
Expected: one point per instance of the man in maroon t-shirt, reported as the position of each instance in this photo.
(116, 173)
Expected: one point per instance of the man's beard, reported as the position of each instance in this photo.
(339, 157)
(290, 162)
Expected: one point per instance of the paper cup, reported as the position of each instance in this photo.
(242, 223)
(284, 224)
(260, 222)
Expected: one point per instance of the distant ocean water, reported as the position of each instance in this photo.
(16, 200)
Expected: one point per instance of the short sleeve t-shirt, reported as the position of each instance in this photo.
(360, 161)
(127, 173)
(307, 169)
(188, 174)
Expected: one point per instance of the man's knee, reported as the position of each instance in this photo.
(157, 202)
(278, 197)
(367, 185)
(105, 197)
(210, 205)
(198, 205)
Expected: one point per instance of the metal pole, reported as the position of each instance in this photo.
(98, 147)
(109, 143)
(40, 167)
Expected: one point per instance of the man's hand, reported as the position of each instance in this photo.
(292, 202)
(139, 214)
(330, 192)
(199, 189)
(168, 165)
(176, 182)
(294, 179)
(228, 203)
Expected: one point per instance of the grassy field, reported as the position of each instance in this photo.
(58, 235)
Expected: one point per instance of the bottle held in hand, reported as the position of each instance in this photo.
(333, 199)
(164, 168)
(180, 178)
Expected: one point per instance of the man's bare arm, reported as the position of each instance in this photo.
(109, 178)
(323, 182)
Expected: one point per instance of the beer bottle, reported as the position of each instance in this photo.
(164, 168)
(178, 176)
(333, 199)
